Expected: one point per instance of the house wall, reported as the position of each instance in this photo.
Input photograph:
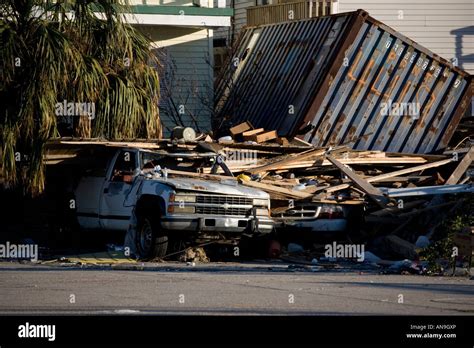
(445, 27)
(240, 18)
(186, 75)
(162, 2)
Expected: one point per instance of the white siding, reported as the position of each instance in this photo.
(446, 27)
(187, 71)
(241, 13)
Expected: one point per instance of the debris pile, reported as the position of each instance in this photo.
(390, 192)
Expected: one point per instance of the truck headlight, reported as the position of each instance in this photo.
(260, 202)
(183, 198)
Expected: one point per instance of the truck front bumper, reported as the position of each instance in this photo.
(223, 224)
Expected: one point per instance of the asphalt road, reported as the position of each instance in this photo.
(222, 289)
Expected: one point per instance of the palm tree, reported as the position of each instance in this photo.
(79, 59)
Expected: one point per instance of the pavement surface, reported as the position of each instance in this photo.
(226, 289)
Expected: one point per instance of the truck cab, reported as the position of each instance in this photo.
(135, 195)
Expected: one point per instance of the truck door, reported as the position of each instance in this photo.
(115, 211)
(88, 193)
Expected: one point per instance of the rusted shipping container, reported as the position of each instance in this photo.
(343, 79)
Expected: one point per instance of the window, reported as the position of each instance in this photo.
(125, 165)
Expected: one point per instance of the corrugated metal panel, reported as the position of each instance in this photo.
(450, 22)
(336, 73)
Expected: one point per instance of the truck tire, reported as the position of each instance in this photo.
(151, 243)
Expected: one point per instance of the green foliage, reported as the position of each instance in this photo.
(80, 52)
(442, 245)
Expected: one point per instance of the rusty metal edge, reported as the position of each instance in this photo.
(458, 114)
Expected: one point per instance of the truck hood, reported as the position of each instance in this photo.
(189, 184)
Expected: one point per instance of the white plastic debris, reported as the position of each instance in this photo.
(224, 139)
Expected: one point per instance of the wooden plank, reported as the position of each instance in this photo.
(303, 164)
(200, 175)
(346, 202)
(287, 160)
(277, 189)
(378, 160)
(270, 147)
(263, 137)
(301, 142)
(393, 174)
(363, 184)
(240, 128)
(280, 182)
(248, 134)
(402, 178)
(461, 168)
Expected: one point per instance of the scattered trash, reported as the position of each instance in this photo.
(193, 255)
(407, 267)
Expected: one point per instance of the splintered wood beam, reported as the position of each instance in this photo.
(373, 192)
(393, 174)
(287, 160)
(461, 168)
(277, 190)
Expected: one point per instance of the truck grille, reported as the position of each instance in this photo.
(234, 200)
(222, 211)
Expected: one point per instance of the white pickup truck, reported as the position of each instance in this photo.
(135, 194)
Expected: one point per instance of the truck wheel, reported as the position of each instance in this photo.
(151, 243)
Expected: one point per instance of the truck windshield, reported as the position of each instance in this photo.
(176, 161)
